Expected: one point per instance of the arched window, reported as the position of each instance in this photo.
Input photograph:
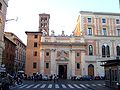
(0, 6)
(107, 51)
(89, 31)
(118, 50)
(90, 50)
(103, 51)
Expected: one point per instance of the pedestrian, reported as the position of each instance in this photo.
(40, 77)
(51, 76)
(6, 83)
(54, 78)
(57, 77)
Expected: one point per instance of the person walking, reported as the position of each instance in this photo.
(57, 77)
(54, 78)
(51, 77)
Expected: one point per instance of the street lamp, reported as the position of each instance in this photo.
(12, 19)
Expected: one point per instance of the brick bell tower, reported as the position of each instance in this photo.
(44, 23)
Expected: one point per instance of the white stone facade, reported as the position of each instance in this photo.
(63, 45)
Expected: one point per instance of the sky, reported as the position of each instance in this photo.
(63, 14)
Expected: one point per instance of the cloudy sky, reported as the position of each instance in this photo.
(63, 14)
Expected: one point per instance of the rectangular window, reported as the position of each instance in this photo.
(34, 65)
(104, 31)
(35, 53)
(103, 20)
(118, 32)
(89, 20)
(47, 65)
(78, 54)
(47, 53)
(117, 21)
(89, 31)
(35, 44)
(78, 65)
(35, 36)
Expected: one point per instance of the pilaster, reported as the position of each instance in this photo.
(83, 68)
(53, 62)
(72, 62)
(42, 61)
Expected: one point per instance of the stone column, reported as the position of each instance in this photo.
(53, 62)
(42, 61)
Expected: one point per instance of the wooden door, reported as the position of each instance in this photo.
(91, 70)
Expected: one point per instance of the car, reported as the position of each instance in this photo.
(102, 77)
(45, 77)
(86, 77)
(97, 78)
(78, 77)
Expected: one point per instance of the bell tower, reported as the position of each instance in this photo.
(44, 23)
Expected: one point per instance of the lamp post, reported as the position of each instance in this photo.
(12, 19)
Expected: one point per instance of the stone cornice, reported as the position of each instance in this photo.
(5, 3)
(63, 43)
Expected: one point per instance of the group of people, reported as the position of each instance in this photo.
(9, 80)
(40, 77)
(54, 78)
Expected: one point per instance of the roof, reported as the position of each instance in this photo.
(12, 37)
(10, 40)
(113, 62)
(100, 13)
(32, 32)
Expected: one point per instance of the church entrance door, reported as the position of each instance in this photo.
(62, 71)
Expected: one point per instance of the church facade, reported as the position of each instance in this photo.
(96, 38)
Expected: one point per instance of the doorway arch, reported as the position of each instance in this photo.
(91, 70)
